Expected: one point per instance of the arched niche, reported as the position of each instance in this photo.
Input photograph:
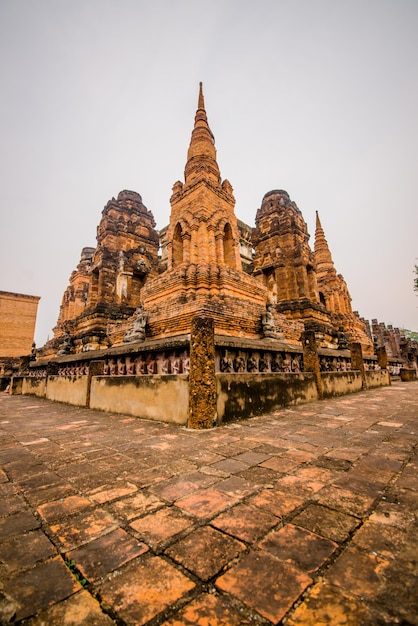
(177, 245)
(228, 244)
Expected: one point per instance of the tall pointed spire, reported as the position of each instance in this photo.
(323, 258)
(201, 101)
(201, 156)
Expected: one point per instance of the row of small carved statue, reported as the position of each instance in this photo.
(226, 363)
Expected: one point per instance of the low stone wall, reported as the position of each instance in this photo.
(378, 378)
(245, 395)
(163, 398)
(408, 374)
(201, 379)
(34, 386)
(16, 384)
(340, 383)
(69, 389)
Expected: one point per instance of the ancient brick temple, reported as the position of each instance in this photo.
(253, 282)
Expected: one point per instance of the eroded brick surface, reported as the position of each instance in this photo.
(307, 515)
(143, 590)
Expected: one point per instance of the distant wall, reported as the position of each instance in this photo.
(408, 374)
(378, 378)
(163, 398)
(17, 323)
(69, 389)
(34, 386)
(340, 383)
(245, 395)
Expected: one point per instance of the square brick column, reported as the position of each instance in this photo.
(202, 383)
(382, 357)
(357, 362)
(96, 368)
(311, 359)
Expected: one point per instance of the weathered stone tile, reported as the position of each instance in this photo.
(23, 469)
(8, 489)
(245, 522)
(159, 527)
(143, 590)
(391, 514)
(202, 479)
(16, 524)
(276, 502)
(205, 551)
(49, 494)
(208, 609)
(152, 476)
(205, 503)
(326, 522)
(357, 572)
(24, 550)
(293, 544)
(260, 476)
(36, 588)
(63, 507)
(307, 480)
(345, 454)
(80, 608)
(265, 584)
(252, 458)
(326, 605)
(210, 470)
(135, 506)
(173, 489)
(279, 464)
(82, 528)
(379, 539)
(41, 479)
(298, 456)
(333, 464)
(119, 490)
(230, 466)
(105, 554)
(236, 486)
(344, 500)
(206, 457)
(11, 504)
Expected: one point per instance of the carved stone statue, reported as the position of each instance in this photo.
(268, 323)
(225, 364)
(66, 344)
(342, 339)
(137, 332)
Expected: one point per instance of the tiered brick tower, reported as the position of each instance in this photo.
(204, 273)
(206, 269)
(333, 293)
(105, 289)
(74, 300)
(284, 262)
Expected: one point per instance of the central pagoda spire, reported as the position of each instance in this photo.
(201, 156)
(323, 258)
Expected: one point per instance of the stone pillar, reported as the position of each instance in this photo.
(186, 247)
(96, 368)
(202, 382)
(219, 244)
(382, 357)
(357, 362)
(311, 359)
(16, 384)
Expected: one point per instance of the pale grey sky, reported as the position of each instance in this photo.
(317, 97)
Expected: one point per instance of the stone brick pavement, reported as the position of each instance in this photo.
(308, 516)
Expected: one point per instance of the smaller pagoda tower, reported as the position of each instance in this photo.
(334, 294)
